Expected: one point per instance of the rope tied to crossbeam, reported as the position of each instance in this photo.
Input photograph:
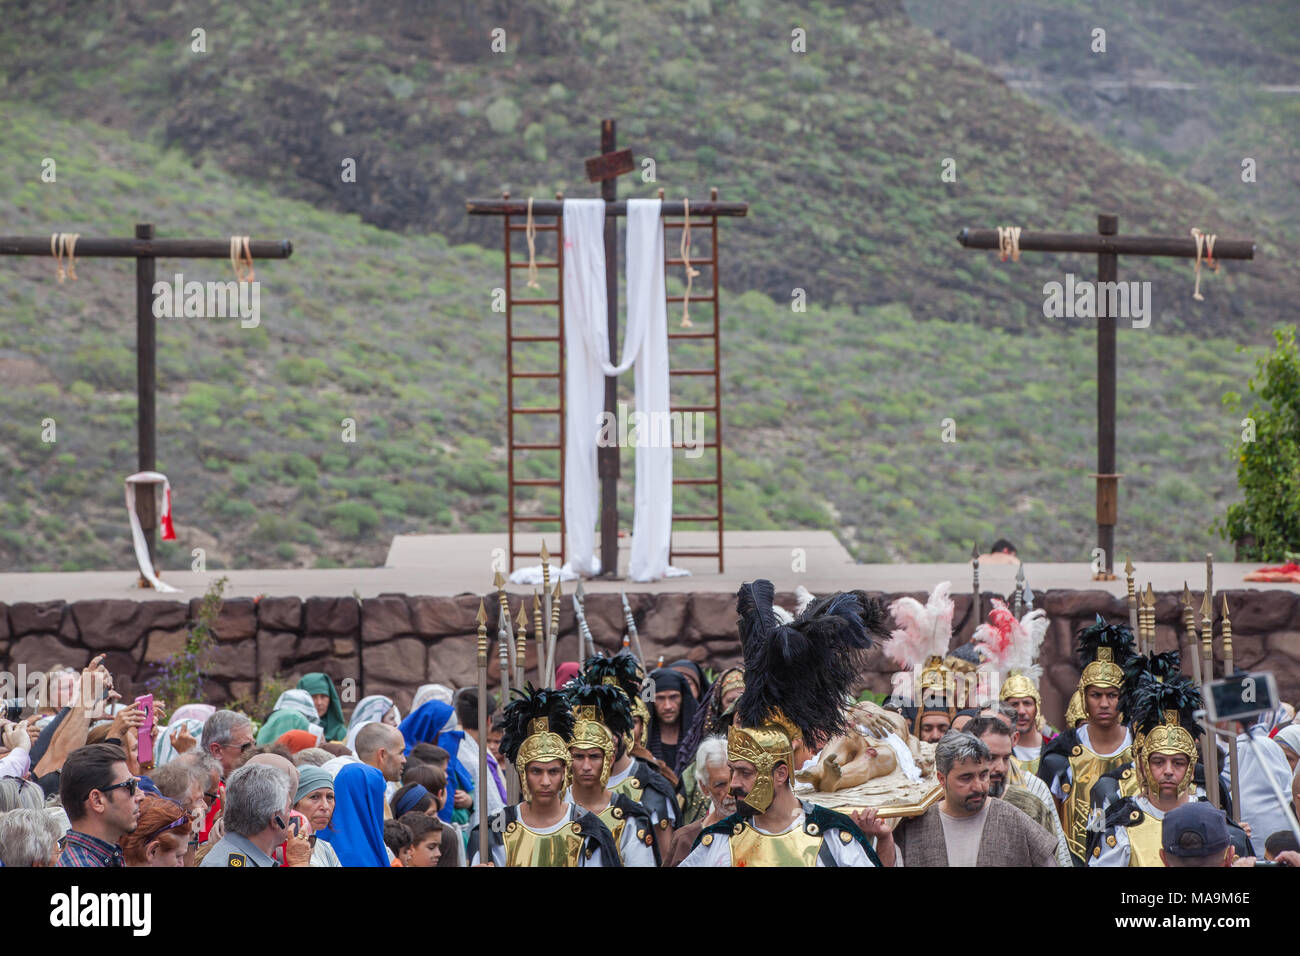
(1009, 243)
(691, 271)
(241, 258)
(530, 233)
(64, 244)
(1204, 244)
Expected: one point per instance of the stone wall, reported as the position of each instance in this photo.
(392, 643)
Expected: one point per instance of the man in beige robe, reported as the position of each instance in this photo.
(967, 827)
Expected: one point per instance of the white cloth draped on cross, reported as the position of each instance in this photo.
(149, 479)
(588, 361)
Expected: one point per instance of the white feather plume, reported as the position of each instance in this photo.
(924, 631)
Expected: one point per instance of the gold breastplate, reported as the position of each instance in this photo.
(1086, 767)
(1144, 842)
(796, 848)
(1028, 767)
(614, 818)
(525, 847)
(630, 788)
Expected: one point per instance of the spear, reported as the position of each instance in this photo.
(512, 776)
(543, 662)
(1207, 671)
(580, 613)
(521, 644)
(1232, 740)
(505, 649)
(975, 583)
(1132, 600)
(484, 851)
(499, 582)
(1019, 599)
(1189, 631)
(631, 629)
(555, 610)
(546, 619)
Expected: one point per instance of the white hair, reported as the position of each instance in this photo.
(254, 794)
(712, 752)
(27, 838)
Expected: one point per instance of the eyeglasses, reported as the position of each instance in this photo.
(242, 748)
(131, 786)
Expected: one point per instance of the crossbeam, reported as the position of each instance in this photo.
(1111, 245)
(551, 207)
(1108, 246)
(146, 250)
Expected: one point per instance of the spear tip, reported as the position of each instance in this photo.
(1128, 566)
(482, 614)
(498, 581)
(522, 618)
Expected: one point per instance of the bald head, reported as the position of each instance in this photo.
(382, 746)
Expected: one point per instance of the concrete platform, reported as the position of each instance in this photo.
(459, 563)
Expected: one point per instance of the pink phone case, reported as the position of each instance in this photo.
(144, 746)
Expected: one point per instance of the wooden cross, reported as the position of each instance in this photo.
(605, 169)
(1108, 246)
(146, 250)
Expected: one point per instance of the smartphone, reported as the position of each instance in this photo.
(144, 746)
(1240, 696)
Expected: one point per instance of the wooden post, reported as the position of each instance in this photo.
(146, 387)
(607, 464)
(480, 798)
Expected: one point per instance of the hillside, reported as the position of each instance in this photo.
(833, 418)
(839, 149)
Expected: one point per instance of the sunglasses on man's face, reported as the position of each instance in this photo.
(242, 748)
(129, 785)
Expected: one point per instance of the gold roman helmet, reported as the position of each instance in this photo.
(538, 725)
(1012, 647)
(1164, 722)
(1074, 712)
(623, 671)
(766, 747)
(937, 692)
(1017, 686)
(602, 716)
(1102, 651)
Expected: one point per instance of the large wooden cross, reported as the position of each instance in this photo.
(146, 251)
(605, 169)
(1108, 246)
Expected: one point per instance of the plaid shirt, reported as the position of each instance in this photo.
(82, 849)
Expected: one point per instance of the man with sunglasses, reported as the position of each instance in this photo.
(227, 737)
(102, 800)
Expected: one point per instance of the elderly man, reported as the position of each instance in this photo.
(258, 804)
(102, 800)
(966, 828)
(227, 737)
(714, 777)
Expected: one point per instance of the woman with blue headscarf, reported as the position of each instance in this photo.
(356, 831)
(434, 722)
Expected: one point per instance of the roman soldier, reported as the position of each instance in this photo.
(544, 830)
(1073, 762)
(632, 776)
(1165, 732)
(1012, 650)
(926, 688)
(797, 682)
(602, 717)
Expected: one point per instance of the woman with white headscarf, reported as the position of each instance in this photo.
(295, 710)
(427, 692)
(1289, 738)
(373, 709)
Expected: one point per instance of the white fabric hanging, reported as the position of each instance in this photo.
(587, 362)
(647, 313)
(148, 479)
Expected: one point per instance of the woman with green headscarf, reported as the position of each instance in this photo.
(328, 706)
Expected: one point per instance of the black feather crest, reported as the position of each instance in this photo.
(611, 704)
(1151, 697)
(804, 669)
(623, 667)
(1117, 637)
(1164, 665)
(528, 705)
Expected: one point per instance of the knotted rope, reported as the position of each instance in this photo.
(241, 258)
(65, 244)
(691, 271)
(530, 233)
(1009, 243)
(1204, 244)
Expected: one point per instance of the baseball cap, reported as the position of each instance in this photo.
(1194, 830)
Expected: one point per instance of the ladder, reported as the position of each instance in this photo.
(540, 416)
(711, 371)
